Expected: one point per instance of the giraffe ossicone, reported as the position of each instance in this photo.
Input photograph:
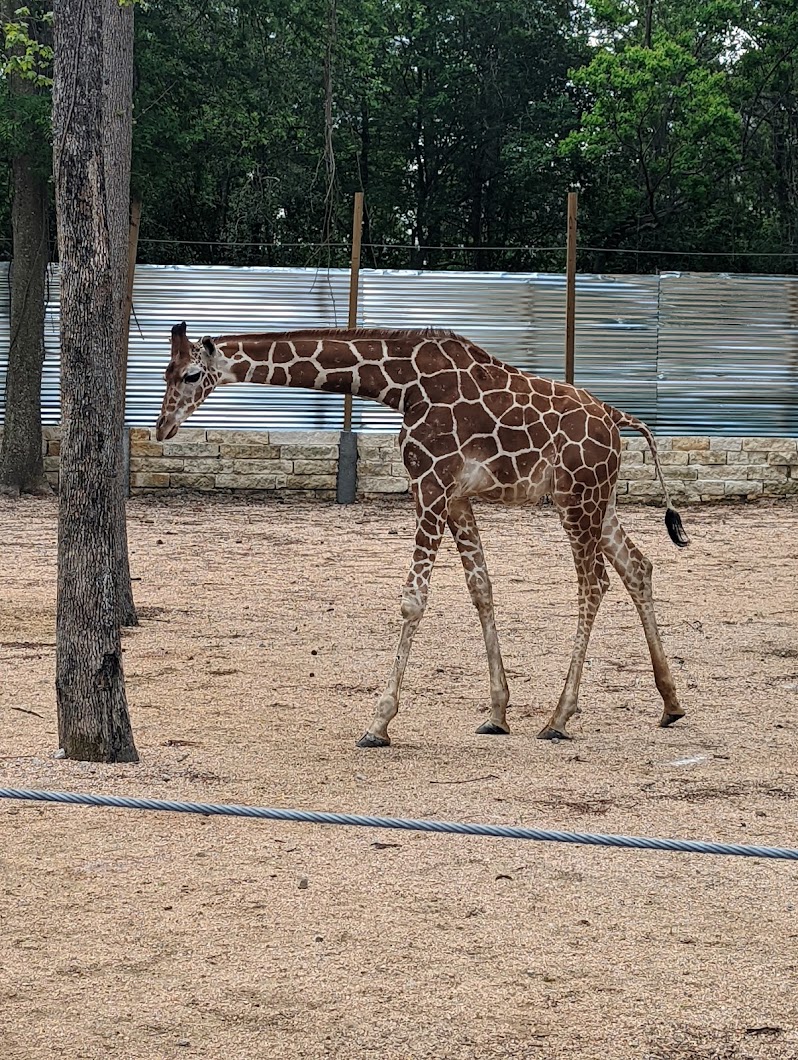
(473, 427)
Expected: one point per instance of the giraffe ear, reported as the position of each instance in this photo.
(208, 348)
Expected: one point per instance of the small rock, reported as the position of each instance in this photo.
(184, 1043)
(60, 753)
(303, 883)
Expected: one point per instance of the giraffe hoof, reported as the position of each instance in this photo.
(368, 739)
(490, 728)
(553, 734)
(669, 719)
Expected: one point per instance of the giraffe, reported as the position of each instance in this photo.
(473, 427)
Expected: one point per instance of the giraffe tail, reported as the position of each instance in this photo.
(673, 521)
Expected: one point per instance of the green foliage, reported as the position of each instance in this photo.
(465, 122)
(24, 52)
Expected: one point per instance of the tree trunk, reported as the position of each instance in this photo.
(93, 720)
(117, 135)
(21, 464)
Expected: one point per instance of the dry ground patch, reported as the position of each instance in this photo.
(267, 631)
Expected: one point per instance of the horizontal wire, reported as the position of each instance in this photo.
(690, 846)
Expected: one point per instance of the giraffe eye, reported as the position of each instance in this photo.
(191, 377)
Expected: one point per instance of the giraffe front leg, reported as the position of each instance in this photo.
(413, 605)
(429, 531)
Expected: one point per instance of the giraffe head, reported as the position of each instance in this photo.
(191, 375)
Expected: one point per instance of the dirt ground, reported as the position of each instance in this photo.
(267, 631)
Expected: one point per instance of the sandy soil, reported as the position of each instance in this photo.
(267, 630)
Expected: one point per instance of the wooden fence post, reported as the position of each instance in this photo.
(570, 288)
(346, 486)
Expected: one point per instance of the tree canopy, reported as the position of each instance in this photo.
(465, 122)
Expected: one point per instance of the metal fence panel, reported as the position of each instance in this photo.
(689, 353)
(728, 355)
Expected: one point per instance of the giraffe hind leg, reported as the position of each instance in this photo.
(583, 529)
(464, 530)
(635, 570)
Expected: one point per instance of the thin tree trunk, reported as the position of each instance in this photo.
(117, 138)
(93, 720)
(21, 464)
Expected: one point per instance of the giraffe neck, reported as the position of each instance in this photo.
(368, 365)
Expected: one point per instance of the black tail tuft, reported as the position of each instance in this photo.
(675, 529)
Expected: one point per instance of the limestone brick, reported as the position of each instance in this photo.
(675, 456)
(179, 448)
(727, 444)
(709, 489)
(638, 472)
(781, 456)
(740, 487)
(377, 440)
(149, 480)
(309, 452)
(304, 438)
(768, 474)
(236, 481)
(631, 456)
(787, 488)
(310, 482)
(690, 443)
(261, 450)
(187, 436)
(644, 489)
(157, 463)
(680, 472)
(192, 482)
(144, 448)
(314, 467)
(706, 456)
(714, 471)
(387, 484)
(781, 445)
(238, 437)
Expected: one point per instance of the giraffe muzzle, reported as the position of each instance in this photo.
(166, 428)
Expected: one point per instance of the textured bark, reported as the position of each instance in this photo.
(117, 130)
(93, 720)
(21, 464)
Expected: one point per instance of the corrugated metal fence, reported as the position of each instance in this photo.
(689, 353)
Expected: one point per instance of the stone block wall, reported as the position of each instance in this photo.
(696, 469)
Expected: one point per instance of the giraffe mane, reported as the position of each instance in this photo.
(356, 333)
